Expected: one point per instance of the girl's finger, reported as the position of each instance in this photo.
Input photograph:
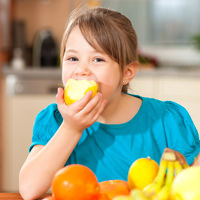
(93, 104)
(102, 106)
(94, 114)
(80, 104)
(181, 158)
(60, 96)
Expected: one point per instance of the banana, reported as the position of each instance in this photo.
(150, 189)
(178, 167)
(163, 194)
(169, 168)
(159, 180)
(170, 174)
(170, 156)
(161, 177)
(138, 195)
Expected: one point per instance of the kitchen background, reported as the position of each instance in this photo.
(30, 35)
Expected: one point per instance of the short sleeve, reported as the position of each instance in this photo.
(46, 124)
(181, 132)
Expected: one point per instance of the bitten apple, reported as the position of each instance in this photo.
(76, 89)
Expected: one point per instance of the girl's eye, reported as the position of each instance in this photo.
(72, 59)
(98, 60)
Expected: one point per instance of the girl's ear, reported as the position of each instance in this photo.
(129, 72)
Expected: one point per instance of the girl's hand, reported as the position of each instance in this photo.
(180, 157)
(196, 161)
(83, 113)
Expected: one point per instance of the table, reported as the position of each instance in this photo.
(15, 196)
(10, 196)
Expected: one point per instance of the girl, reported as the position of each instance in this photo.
(110, 131)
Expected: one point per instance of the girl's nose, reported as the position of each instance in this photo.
(82, 70)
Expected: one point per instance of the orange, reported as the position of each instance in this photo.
(102, 197)
(142, 172)
(75, 182)
(113, 188)
(76, 89)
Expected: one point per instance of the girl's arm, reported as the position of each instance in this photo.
(42, 163)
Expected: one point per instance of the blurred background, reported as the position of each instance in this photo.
(30, 37)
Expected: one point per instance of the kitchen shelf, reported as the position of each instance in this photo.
(55, 73)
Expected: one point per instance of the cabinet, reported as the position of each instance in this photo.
(19, 114)
(183, 90)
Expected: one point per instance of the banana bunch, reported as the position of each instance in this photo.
(169, 168)
(161, 187)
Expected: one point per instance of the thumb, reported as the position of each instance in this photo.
(60, 96)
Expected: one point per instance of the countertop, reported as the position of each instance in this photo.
(193, 72)
(30, 72)
(16, 196)
(55, 73)
(10, 196)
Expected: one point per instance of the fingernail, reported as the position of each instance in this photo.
(90, 92)
(100, 94)
(58, 90)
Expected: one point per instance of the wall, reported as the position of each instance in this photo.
(40, 14)
(53, 14)
(6, 11)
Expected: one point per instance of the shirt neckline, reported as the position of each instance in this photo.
(132, 120)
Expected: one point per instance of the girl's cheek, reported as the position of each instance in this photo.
(65, 77)
(64, 80)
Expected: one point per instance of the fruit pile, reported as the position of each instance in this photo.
(146, 181)
(172, 182)
(78, 182)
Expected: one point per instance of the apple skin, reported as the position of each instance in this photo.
(186, 185)
(76, 89)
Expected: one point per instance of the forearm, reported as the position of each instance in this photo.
(37, 173)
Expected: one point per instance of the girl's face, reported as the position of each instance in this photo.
(82, 61)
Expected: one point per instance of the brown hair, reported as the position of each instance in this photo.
(105, 30)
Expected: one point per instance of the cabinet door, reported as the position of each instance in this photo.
(144, 86)
(188, 88)
(19, 114)
(185, 91)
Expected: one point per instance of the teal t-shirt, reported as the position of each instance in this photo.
(109, 149)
